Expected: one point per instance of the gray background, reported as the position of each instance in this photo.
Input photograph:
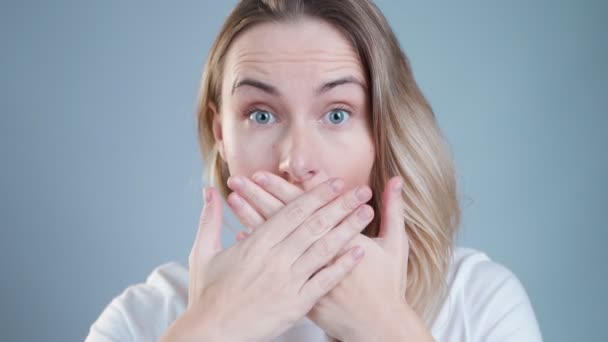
(101, 170)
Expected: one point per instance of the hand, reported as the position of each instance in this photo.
(269, 275)
(345, 313)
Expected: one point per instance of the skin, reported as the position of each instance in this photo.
(283, 138)
(292, 133)
(282, 270)
(270, 275)
(386, 315)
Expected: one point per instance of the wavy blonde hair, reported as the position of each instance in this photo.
(407, 138)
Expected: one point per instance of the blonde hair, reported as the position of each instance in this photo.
(407, 138)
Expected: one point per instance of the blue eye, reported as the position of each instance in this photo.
(261, 117)
(338, 116)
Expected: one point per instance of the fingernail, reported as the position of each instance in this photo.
(363, 193)
(235, 182)
(235, 200)
(260, 179)
(364, 212)
(398, 186)
(336, 185)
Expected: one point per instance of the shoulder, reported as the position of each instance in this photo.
(472, 267)
(144, 311)
(488, 299)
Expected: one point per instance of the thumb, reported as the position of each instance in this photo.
(392, 227)
(208, 237)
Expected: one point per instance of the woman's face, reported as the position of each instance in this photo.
(294, 103)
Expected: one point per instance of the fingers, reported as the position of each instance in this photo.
(327, 278)
(263, 202)
(291, 216)
(207, 241)
(325, 249)
(246, 214)
(324, 220)
(277, 186)
(267, 189)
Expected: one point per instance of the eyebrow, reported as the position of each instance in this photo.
(325, 87)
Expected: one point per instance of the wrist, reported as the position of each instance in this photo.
(189, 327)
(401, 324)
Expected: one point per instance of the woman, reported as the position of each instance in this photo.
(314, 131)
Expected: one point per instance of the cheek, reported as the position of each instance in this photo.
(246, 153)
(355, 163)
(358, 170)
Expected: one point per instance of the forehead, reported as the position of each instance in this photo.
(306, 47)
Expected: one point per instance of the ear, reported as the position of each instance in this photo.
(217, 129)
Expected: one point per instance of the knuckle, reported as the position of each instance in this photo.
(325, 282)
(272, 185)
(206, 217)
(323, 248)
(252, 193)
(329, 193)
(317, 224)
(253, 197)
(294, 212)
(326, 193)
(348, 203)
(274, 208)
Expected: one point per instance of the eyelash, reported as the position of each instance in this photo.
(252, 110)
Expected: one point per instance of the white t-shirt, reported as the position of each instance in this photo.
(486, 302)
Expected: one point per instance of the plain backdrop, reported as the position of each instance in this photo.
(101, 172)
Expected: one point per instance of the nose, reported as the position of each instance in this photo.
(299, 161)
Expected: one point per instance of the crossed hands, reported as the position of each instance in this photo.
(374, 291)
(298, 259)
